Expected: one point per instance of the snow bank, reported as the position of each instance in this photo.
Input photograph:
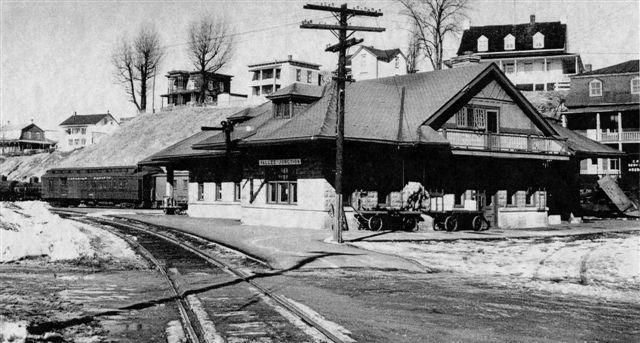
(11, 331)
(29, 229)
(609, 263)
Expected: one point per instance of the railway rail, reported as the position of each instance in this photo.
(147, 235)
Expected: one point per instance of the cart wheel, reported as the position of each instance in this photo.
(479, 223)
(178, 211)
(409, 223)
(437, 224)
(451, 223)
(165, 211)
(375, 223)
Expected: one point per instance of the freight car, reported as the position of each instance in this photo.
(11, 190)
(128, 186)
(180, 189)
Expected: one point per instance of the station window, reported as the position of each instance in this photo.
(308, 76)
(236, 191)
(218, 191)
(282, 192)
(185, 184)
(298, 74)
(200, 191)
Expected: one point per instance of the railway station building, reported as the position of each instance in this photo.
(466, 134)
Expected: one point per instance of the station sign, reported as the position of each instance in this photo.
(280, 162)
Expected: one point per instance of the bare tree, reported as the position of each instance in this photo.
(435, 20)
(209, 47)
(136, 62)
(413, 52)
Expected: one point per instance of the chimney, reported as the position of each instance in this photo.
(587, 67)
(75, 113)
(532, 19)
(107, 111)
(290, 57)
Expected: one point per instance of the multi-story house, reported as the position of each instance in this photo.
(184, 88)
(604, 105)
(268, 77)
(368, 62)
(23, 139)
(82, 130)
(534, 55)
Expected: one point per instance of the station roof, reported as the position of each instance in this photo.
(583, 146)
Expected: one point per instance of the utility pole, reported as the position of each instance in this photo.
(342, 14)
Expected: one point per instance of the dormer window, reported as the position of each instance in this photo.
(282, 110)
(483, 44)
(635, 85)
(595, 88)
(509, 42)
(538, 41)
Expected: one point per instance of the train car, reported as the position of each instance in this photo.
(180, 188)
(127, 186)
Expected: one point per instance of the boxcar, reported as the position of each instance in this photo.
(127, 186)
(180, 188)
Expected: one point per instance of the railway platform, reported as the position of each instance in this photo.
(292, 248)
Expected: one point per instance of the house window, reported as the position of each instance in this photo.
(256, 90)
(298, 74)
(308, 76)
(218, 191)
(28, 134)
(256, 75)
(76, 141)
(84, 130)
(397, 62)
(509, 42)
(185, 184)
(614, 164)
(236, 191)
(595, 88)
(483, 44)
(267, 74)
(83, 141)
(461, 117)
(282, 192)
(200, 191)
(538, 41)
(71, 142)
(282, 110)
(635, 85)
(277, 73)
(528, 66)
(509, 68)
(363, 61)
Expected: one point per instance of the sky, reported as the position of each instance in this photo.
(55, 55)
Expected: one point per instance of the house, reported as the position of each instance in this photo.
(466, 133)
(184, 88)
(604, 105)
(534, 55)
(82, 130)
(268, 77)
(368, 62)
(23, 139)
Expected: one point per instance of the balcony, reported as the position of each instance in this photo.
(504, 142)
(623, 137)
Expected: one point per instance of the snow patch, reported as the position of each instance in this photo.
(563, 265)
(210, 333)
(38, 232)
(174, 332)
(12, 331)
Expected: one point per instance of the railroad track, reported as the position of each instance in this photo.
(147, 235)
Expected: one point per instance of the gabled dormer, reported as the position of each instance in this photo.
(294, 99)
(509, 42)
(538, 40)
(483, 43)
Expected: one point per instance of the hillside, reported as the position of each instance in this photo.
(136, 139)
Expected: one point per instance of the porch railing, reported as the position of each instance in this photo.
(625, 136)
(504, 142)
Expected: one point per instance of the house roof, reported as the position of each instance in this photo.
(632, 66)
(554, 37)
(382, 55)
(583, 146)
(195, 72)
(603, 108)
(298, 89)
(85, 119)
(290, 61)
(386, 110)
